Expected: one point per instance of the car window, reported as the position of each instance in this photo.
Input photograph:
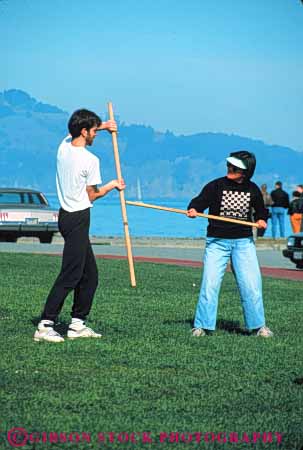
(43, 199)
(24, 198)
(40, 200)
(11, 198)
(34, 199)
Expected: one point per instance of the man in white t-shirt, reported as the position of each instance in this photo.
(78, 176)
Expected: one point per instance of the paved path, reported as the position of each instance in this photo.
(177, 252)
(274, 272)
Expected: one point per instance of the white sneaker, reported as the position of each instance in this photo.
(265, 332)
(82, 332)
(197, 332)
(47, 334)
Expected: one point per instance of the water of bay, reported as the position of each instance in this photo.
(106, 220)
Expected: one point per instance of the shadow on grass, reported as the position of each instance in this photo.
(36, 320)
(231, 326)
(60, 327)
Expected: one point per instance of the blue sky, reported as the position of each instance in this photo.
(232, 66)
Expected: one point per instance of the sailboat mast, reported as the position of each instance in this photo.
(139, 192)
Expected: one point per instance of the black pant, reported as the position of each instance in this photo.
(78, 270)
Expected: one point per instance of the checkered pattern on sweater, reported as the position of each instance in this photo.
(235, 204)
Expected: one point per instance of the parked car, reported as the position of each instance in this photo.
(294, 250)
(25, 212)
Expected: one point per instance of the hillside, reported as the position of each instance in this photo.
(169, 166)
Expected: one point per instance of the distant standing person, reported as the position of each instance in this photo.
(280, 204)
(78, 175)
(299, 189)
(295, 211)
(267, 203)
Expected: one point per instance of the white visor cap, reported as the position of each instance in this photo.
(236, 162)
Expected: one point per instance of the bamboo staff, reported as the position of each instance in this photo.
(122, 201)
(182, 211)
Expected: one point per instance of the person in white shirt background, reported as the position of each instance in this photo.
(77, 179)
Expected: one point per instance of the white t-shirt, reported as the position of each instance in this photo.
(76, 169)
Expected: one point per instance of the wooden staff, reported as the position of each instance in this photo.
(122, 201)
(182, 211)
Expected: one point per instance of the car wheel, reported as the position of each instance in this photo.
(299, 265)
(46, 238)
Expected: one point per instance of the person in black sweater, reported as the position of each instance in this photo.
(279, 207)
(233, 196)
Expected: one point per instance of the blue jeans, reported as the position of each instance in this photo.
(278, 216)
(246, 269)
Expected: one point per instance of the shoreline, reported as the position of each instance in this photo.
(173, 242)
(164, 242)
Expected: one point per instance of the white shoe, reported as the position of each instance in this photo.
(197, 332)
(265, 332)
(75, 332)
(47, 334)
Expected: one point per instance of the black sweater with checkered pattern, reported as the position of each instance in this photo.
(226, 198)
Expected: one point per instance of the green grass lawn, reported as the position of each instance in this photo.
(148, 374)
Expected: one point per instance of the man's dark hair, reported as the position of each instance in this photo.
(279, 184)
(296, 194)
(248, 159)
(82, 118)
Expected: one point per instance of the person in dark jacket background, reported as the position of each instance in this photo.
(280, 204)
(299, 189)
(295, 211)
